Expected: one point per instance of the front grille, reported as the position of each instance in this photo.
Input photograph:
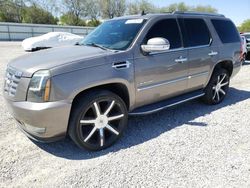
(12, 78)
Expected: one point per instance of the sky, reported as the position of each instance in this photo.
(237, 10)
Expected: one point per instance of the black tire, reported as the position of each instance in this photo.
(212, 90)
(86, 110)
(244, 58)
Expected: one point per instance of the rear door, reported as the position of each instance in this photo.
(202, 51)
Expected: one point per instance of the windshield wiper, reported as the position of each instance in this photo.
(97, 45)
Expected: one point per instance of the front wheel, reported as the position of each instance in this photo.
(98, 120)
(217, 87)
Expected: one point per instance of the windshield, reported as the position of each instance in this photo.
(114, 34)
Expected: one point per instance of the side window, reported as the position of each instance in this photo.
(195, 32)
(226, 31)
(167, 29)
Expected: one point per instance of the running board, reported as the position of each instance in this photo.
(155, 107)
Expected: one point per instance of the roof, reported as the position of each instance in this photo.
(151, 15)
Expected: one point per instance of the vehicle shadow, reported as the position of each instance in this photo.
(143, 128)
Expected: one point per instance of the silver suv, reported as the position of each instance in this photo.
(132, 65)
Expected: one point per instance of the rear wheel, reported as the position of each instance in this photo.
(217, 87)
(98, 120)
(244, 58)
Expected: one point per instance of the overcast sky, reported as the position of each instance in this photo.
(237, 10)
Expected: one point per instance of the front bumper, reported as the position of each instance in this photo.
(44, 122)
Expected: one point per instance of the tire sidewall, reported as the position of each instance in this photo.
(81, 108)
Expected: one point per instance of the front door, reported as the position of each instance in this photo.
(161, 75)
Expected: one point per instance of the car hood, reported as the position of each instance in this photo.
(51, 58)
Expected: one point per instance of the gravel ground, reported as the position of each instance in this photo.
(192, 145)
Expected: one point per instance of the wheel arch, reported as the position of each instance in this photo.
(226, 64)
(120, 89)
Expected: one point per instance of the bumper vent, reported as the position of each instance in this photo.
(12, 78)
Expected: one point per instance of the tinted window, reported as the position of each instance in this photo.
(167, 29)
(195, 32)
(226, 31)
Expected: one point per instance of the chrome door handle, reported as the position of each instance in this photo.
(181, 60)
(212, 53)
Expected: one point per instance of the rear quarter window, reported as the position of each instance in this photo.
(226, 31)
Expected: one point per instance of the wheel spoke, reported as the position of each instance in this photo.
(109, 108)
(214, 95)
(86, 121)
(218, 80)
(115, 117)
(224, 84)
(112, 129)
(218, 96)
(101, 132)
(214, 88)
(97, 109)
(224, 76)
(222, 91)
(90, 134)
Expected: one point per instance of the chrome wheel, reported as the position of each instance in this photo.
(102, 123)
(220, 87)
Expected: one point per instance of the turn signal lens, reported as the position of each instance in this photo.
(47, 91)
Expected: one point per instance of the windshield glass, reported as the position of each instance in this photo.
(114, 34)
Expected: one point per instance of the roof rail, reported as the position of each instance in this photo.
(197, 13)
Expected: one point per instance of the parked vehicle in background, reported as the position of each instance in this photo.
(244, 48)
(133, 65)
(50, 40)
(247, 36)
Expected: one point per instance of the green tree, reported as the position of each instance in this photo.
(112, 8)
(93, 23)
(11, 10)
(245, 26)
(37, 15)
(138, 6)
(207, 8)
(71, 19)
(183, 7)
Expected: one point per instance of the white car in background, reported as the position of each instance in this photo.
(50, 40)
(244, 47)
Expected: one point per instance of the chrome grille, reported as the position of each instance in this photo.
(12, 78)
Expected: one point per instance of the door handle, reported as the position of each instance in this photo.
(212, 53)
(181, 60)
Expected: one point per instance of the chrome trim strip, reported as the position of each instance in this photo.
(162, 83)
(199, 74)
(167, 106)
(172, 81)
(183, 48)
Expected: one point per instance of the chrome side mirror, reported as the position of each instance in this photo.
(157, 44)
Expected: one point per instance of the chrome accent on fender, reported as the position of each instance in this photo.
(121, 65)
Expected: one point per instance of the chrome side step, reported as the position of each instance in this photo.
(152, 108)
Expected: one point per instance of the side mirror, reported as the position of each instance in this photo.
(157, 44)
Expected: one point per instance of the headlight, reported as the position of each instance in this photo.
(39, 87)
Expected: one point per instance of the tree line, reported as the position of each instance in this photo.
(82, 12)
